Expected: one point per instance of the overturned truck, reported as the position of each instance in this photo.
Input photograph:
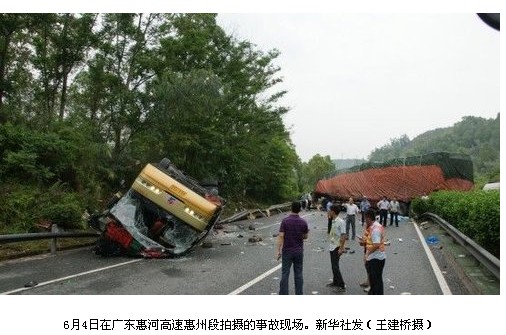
(165, 213)
(404, 179)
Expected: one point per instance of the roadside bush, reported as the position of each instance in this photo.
(17, 205)
(23, 206)
(419, 206)
(476, 214)
(60, 206)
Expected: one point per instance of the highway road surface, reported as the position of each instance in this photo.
(237, 260)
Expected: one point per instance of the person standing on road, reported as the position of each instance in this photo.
(290, 248)
(375, 254)
(351, 211)
(362, 240)
(329, 205)
(364, 207)
(337, 240)
(383, 206)
(395, 207)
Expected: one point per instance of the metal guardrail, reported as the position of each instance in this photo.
(279, 207)
(53, 236)
(485, 258)
(55, 233)
(252, 213)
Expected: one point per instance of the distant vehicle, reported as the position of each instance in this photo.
(165, 213)
(402, 178)
(491, 186)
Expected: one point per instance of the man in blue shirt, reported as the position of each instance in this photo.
(364, 207)
(290, 248)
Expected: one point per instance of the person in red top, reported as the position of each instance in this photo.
(290, 248)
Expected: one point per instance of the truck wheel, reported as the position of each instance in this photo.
(164, 163)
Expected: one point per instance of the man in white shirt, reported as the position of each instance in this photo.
(337, 240)
(395, 207)
(351, 211)
(375, 255)
(383, 206)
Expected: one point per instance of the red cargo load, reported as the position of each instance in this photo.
(401, 182)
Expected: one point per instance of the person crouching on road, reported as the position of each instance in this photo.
(375, 253)
(337, 240)
(290, 248)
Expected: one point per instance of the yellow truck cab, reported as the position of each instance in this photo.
(164, 213)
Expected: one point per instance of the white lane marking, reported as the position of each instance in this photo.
(277, 223)
(437, 271)
(256, 280)
(263, 275)
(70, 277)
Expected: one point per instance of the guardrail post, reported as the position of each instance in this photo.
(54, 229)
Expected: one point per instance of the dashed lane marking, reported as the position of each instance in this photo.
(69, 277)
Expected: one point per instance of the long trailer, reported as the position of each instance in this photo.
(403, 179)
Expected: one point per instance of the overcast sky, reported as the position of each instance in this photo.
(355, 81)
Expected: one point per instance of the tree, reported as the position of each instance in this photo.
(14, 51)
(317, 168)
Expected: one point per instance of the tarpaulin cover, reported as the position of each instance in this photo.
(453, 165)
(403, 182)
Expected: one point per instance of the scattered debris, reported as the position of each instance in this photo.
(400, 240)
(226, 243)
(392, 287)
(432, 239)
(351, 251)
(207, 245)
(314, 292)
(254, 239)
(240, 236)
(387, 242)
(31, 283)
(230, 229)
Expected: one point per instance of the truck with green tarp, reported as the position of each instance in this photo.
(401, 178)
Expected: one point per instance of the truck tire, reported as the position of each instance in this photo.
(164, 163)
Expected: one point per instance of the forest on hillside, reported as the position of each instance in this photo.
(86, 100)
(474, 136)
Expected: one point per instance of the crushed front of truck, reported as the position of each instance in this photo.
(165, 213)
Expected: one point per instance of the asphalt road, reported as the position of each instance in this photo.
(233, 265)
